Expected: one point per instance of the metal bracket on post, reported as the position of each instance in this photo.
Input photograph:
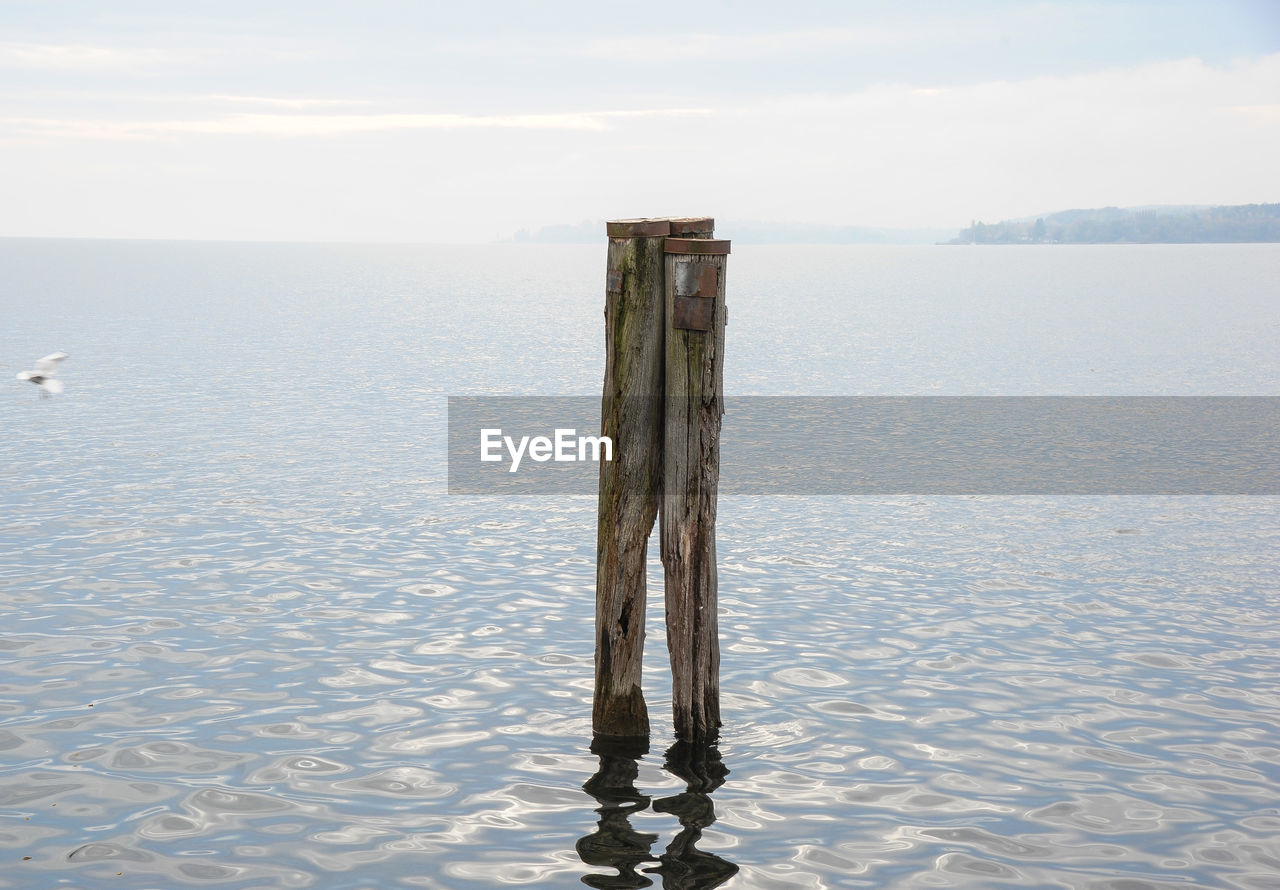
(695, 296)
(696, 284)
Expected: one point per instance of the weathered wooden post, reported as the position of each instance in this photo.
(631, 415)
(639, 305)
(695, 323)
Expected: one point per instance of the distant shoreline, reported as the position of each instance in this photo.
(1234, 224)
(1165, 224)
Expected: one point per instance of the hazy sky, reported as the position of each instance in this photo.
(433, 121)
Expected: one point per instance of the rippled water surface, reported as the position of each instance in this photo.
(248, 641)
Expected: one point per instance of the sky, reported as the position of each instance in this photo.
(449, 122)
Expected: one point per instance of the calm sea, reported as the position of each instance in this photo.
(248, 641)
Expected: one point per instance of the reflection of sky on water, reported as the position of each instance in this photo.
(245, 641)
(1045, 689)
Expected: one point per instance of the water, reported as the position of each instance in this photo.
(247, 641)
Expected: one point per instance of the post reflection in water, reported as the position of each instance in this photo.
(617, 845)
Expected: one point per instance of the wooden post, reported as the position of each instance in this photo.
(695, 323)
(637, 359)
(631, 415)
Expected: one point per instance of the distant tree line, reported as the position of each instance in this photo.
(1116, 225)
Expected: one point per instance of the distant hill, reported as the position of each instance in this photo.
(1134, 225)
(753, 232)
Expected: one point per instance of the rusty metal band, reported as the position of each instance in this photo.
(701, 246)
(633, 228)
(693, 313)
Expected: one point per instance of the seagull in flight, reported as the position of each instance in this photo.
(43, 375)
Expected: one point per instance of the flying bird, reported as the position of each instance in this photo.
(43, 375)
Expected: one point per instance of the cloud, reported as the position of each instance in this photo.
(83, 57)
(1178, 131)
(704, 46)
(1258, 114)
(281, 102)
(916, 153)
(305, 125)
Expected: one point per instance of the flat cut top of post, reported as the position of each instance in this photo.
(693, 226)
(701, 246)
